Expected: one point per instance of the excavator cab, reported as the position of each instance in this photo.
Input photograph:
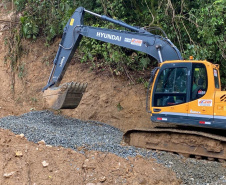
(183, 92)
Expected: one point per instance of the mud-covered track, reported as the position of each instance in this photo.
(186, 142)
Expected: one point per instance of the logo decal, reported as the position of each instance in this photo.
(200, 92)
(62, 61)
(205, 103)
(108, 36)
(194, 112)
(127, 40)
(136, 42)
(72, 22)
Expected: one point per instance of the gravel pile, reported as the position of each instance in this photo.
(82, 135)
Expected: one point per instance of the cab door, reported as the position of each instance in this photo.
(170, 93)
(201, 103)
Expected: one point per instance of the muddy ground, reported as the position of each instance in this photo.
(24, 162)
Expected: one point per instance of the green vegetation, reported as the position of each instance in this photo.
(119, 107)
(21, 71)
(197, 28)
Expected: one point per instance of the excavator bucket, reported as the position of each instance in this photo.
(66, 96)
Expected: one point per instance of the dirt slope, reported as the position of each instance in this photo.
(108, 99)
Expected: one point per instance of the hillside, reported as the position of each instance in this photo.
(108, 98)
(84, 145)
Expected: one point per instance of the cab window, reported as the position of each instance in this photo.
(171, 87)
(199, 81)
(216, 78)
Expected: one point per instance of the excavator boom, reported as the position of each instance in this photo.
(68, 96)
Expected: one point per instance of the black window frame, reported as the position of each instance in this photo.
(186, 94)
(216, 79)
(195, 65)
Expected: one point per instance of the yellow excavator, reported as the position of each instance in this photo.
(186, 93)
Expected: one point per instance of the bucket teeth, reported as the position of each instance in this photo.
(73, 87)
(63, 88)
(76, 88)
(66, 96)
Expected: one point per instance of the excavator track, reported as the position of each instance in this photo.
(186, 142)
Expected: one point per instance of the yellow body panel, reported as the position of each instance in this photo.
(220, 103)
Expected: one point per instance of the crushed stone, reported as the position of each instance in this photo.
(57, 130)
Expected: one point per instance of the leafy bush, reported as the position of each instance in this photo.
(196, 27)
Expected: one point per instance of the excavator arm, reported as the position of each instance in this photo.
(69, 95)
